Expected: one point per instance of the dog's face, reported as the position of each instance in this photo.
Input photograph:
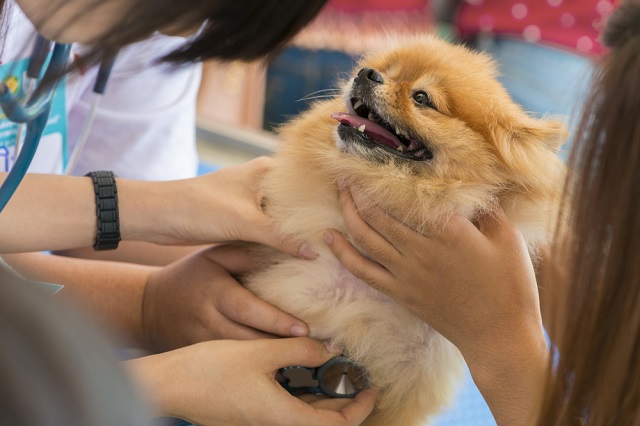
(430, 120)
(424, 130)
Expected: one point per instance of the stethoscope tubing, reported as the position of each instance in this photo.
(37, 104)
(104, 71)
(35, 113)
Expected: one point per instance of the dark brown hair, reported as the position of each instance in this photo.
(594, 287)
(229, 29)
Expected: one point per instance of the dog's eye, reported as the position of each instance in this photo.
(422, 98)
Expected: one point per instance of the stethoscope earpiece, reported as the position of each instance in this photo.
(337, 378)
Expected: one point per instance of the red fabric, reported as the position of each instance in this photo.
(568, 24)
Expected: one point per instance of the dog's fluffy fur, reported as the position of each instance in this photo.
(485, 150)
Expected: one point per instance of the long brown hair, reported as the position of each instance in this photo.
(595, 323)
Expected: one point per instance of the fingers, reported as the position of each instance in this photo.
(221, 326)
(290, 245)
(362, 405)
(266, 231)
(271, 236)
(497, 228)
(242, 306)
(367, 237)
(236, 258)
(490, 221)
(495, 222)
(298, 351)
(405, 239)
(336, 411)
(259, 166)
(309, 352)
(362, 268)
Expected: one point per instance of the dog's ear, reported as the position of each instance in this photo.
(529, 136)
(530, 145)
(551, 132)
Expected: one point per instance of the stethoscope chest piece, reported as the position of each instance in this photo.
(337, 378)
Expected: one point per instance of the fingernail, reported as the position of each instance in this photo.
(299, 331)
(327, 237)
(307, 251)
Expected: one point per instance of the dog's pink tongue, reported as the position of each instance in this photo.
(371, 129)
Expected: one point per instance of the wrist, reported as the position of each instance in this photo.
(511, 377)
(152, 374)
(144, 210)
(108, 218)
(147, 314)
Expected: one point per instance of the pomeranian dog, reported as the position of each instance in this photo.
(425, 131)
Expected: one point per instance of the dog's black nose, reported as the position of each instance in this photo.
(369, 74)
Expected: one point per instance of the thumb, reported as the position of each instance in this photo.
(299, 351)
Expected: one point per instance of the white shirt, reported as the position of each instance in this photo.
(144, 126)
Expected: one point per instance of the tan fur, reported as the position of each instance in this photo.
(486, 150)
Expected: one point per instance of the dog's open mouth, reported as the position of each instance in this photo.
(367, 126)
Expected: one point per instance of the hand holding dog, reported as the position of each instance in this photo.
(221, 206)
(476, 286)
(197, 298)
(233, 382)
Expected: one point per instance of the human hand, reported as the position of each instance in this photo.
(462, 280)
(233, 383)
(474, 285)
(197, 298)
(226, 206)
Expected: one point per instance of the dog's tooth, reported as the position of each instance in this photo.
(400, 148)
(361, 128)
(358, 104)
(370, 117)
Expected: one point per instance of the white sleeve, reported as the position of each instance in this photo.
(144, 126)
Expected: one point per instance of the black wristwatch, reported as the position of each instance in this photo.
(104, 185)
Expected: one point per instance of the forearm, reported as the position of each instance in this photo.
(50, 212)
(47, 213)
(113, 292)
(512, 381)
(139, 252)
(152, 374)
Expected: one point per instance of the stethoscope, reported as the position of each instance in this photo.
(337, 378)
(33, 113)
